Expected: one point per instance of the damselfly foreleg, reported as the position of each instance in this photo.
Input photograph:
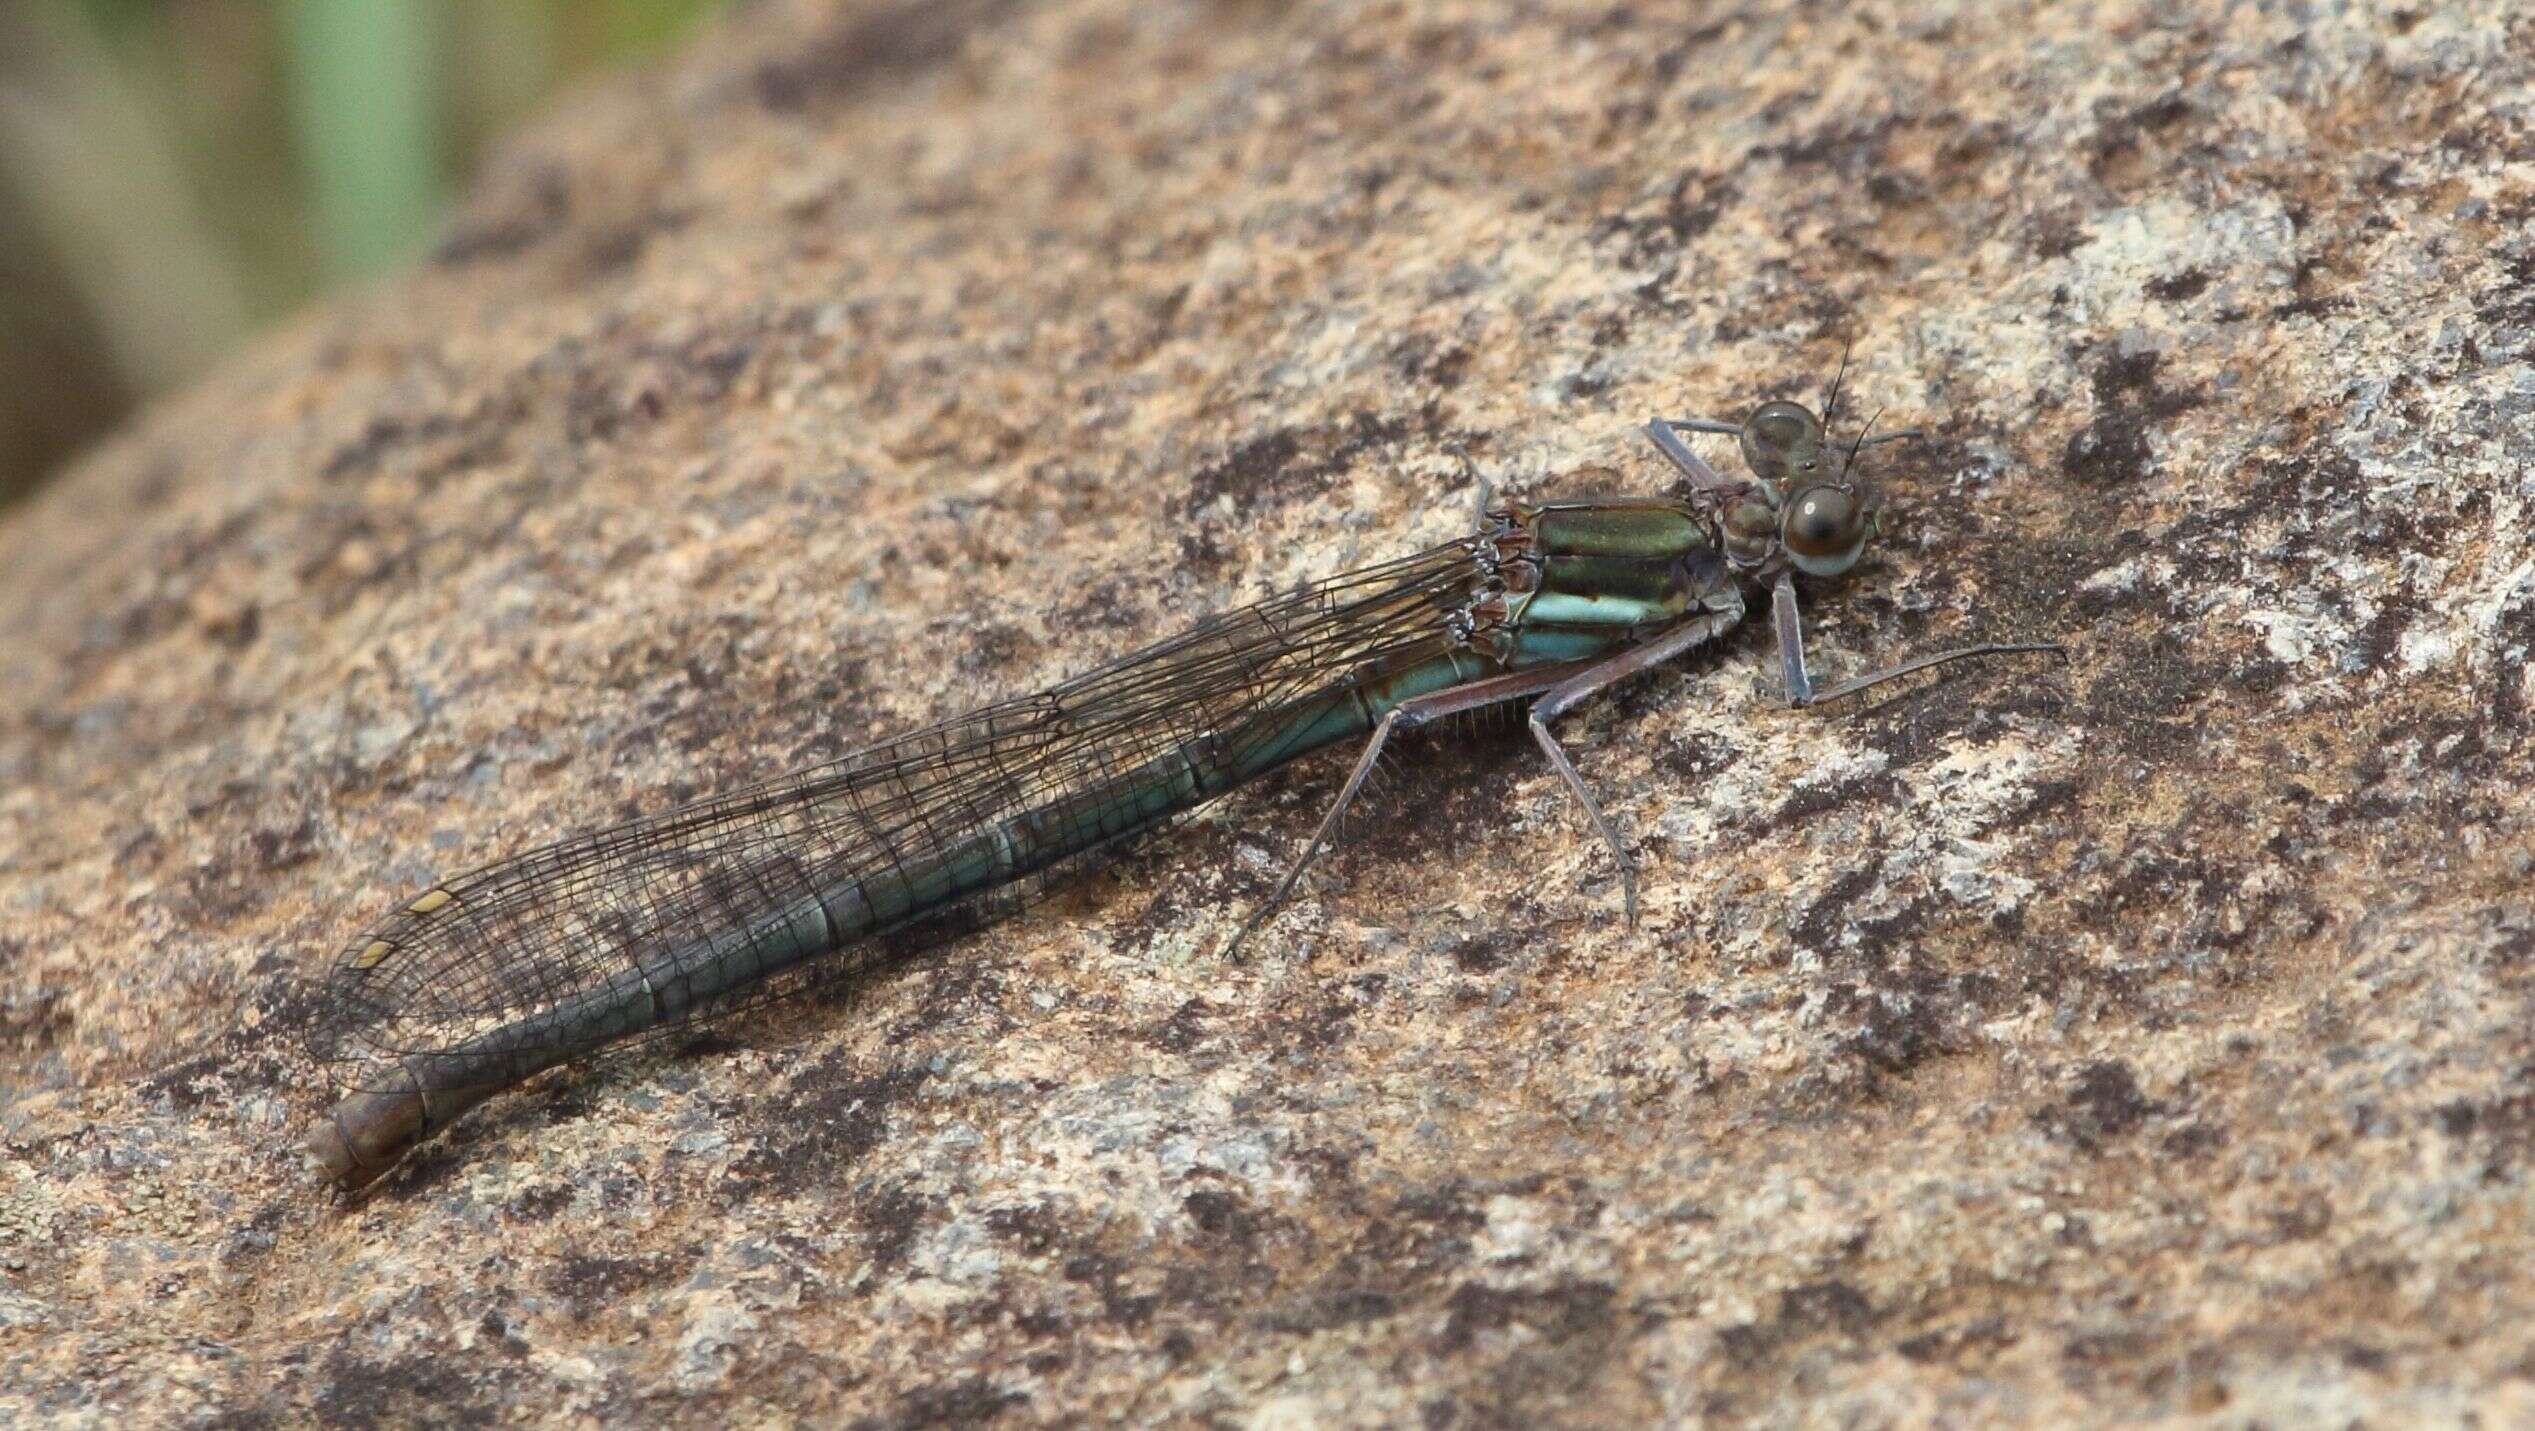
(1788, 621)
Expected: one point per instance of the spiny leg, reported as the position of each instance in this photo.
(1788, 622)
(1407, 715)
(1567, 694)
(1566, 769)
(1320, 836)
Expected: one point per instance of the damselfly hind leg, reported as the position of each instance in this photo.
(1407, 715)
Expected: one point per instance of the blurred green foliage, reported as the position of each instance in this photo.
(174, 173)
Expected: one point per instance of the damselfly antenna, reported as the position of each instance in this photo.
(1831, 402)
(1859, 445)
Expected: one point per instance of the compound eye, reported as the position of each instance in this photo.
(1824, 531)
(1780, 438)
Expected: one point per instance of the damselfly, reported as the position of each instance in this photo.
(663, 923)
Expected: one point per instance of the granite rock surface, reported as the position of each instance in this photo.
(2151, 1036)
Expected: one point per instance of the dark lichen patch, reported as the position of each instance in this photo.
(2033, 809)
(1847, 147)
(890, 1218)
(2181, 286)
(1885, 1027)
(1113, 1282)
(966, 1401)
(1410, 1240)
(1481, 953)
(2056, 236)
(1310, 1025)
(2310, 300)
(1430, 363)
(2503, 1123)
(538, 1204)
(2184, 894)
(2509, 304)
(429, 449)
(249, 1051)
(2102, 1104)
(1690, 208)
(1811, 802)
(383, 434)
(1252, 465)
(2131, 407)
(2123, 133)
(1560, 1312)
(993, 647)
(188, 1083)
(1186, 1028)
(1806, 1314)
(2514, 636)
(1962, 1344)
(2154, 695)
(1226, 1216)
(413, 1390)
(591, 1285)
(1330, 1307)
(1292, 463)
(1696, 757)
(1037, 1231)
(1446, 794)
(951, 992)
(610, 391)
(840, 1115)
(519, 208)
(33, 1021)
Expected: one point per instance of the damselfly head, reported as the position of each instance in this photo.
(1824, 513)
(1818, 511)
(1806, 501)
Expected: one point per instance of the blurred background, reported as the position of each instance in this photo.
(174, 174)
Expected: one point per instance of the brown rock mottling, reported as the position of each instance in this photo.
(2143, 1038)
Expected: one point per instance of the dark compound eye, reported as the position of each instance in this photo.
(1780, 437)
(1825, 530)
(1823, 522)
(1780, 426)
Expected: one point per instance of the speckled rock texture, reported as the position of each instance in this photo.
(2148, 1037)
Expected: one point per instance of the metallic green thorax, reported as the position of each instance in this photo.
(1589, 577)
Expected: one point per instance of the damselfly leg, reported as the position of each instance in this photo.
(1560, 688)
(1571, 692)
(1407, 715)
(1788, 622)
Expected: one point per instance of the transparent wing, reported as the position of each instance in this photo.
(499, 958)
